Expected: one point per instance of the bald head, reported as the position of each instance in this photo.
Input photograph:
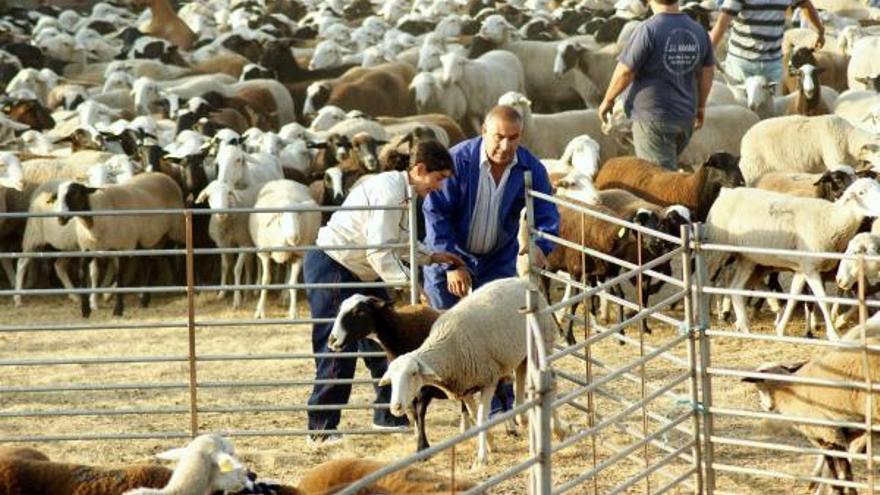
(502, 132)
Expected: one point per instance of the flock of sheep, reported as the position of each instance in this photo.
(289, 103)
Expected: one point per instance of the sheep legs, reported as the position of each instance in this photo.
(119, 308)
(224, 270)
(740, 278)
(84, 308)
(486, 394)
(7, 269)
(19, 279)
(265, 265)
(797, 286)
(239, 265)
(814, 280)
(94, 276)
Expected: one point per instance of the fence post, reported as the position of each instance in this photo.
(540, 382)
(701, 306)
(869, 380)
(686, 256)
(191, 325)
(530, 223)
(413, 243)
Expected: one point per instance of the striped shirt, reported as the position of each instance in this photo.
(483, 237)
(757, 28)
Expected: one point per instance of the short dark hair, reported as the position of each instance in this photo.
(666, 2)
(433, 154)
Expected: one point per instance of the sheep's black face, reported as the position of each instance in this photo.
(354, 322)
(29, 55)
(832, 184)
(724, 170)
(321, 96)
(570, 58)
(74, 197)
(480, 45)
(250, 49)
(32, 113)
(802, 55)
(274, 54)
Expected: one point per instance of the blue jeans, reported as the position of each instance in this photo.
(324, 303)
(660, 141)
(440, 298)
(739, 69)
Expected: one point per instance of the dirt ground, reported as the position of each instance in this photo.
(286, 457)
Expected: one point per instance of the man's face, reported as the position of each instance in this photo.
(501, 138)
(425, 182)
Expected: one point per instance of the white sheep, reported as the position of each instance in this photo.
(856, 106)
(754, 217)
(432, 96)
(580, 161)
(587, 65)
(470, 348)
(723, 129)
(206, 465)
(546, 135)
(283, 229)
(822, 142)
(481, 92)
(863, 62)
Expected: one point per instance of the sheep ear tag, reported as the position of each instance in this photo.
(225, 462)
(621, 232)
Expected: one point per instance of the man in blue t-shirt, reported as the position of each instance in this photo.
(670, 64)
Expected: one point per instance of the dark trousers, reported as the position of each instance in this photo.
(324, 303)
(440, 298)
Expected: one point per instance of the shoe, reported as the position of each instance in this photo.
(323, 439)
(394, 424)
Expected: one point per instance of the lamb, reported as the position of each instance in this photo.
(834, 65)
(572, 175)
(696, 191)
(283, 229)
(823, 141)
(482, 93)
(205, 465)
(99, 233)
(827, 185)
(823, 402)
(811, 98)
(42, 476)
(470, 348)
(787, 222)
(398, 331)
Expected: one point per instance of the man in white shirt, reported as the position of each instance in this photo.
(430, 165)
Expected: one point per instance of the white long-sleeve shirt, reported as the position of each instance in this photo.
(372, 227)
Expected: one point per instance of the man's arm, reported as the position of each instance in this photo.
(706, 77)
(623, 76)
(720, 27)
(813, 16)
(439, 223)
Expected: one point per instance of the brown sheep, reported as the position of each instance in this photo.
(828, 185)
(40, 477)
(833, 64)
(382, 90)
(335, 475)
(696, 191)
(166, 25)
(27, 453)
(453, 130)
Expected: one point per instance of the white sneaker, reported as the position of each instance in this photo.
(377, 426)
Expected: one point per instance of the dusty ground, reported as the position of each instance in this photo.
(285, 457)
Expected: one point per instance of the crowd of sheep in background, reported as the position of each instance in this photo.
(217, 104)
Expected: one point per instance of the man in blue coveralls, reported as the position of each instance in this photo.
(476, 213)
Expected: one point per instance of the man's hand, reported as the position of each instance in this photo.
(449, 258)
(458, 282)
(700, 118)
(604, 110)
(820, 40)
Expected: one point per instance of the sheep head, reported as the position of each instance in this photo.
(453, 67)
(496, 28)
(808, 78)
(833, 182)
(518, 101)
(872, 82)
(869, 154)
(769, 386)
(568, 55)
(208, 451)
(317, 95)
(327, 54)
(13, 176)
(863, 244)
(423, 86)
(73, 197)
(231, 165)
(335, 185)
(407, 375)
(31, 113)
(864, 196)
(354, 321)
(759, 91)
